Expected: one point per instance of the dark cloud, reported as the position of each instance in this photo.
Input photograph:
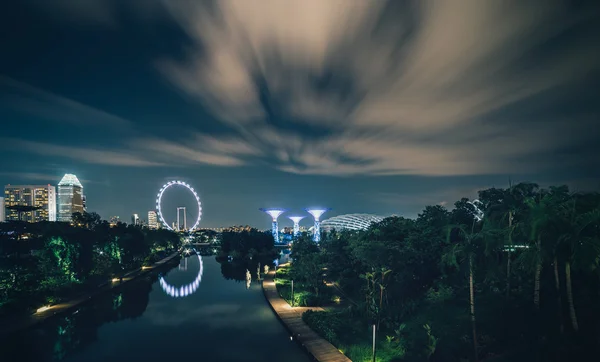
(401, 100)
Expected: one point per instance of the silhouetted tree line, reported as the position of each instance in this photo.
(47, 262)
(512, 276)
(62, 336)
(245, 250)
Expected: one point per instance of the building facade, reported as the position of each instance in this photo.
(42, 197)
(2, 209)
(135, 219)
(70, 197)
(152, 219)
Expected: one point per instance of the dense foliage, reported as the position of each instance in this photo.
(46, 262)
(67, 334)
(307, 274)
(511, 276)
(245, 250)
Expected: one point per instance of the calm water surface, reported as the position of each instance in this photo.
(149, 320)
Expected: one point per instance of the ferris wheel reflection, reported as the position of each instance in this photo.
(185, 290)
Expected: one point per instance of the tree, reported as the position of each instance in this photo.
(538, 222)
(579, 242)
(86, 220)
(465, 245)
(506, 208)
(60, 257)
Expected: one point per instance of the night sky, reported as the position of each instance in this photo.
(361, 106)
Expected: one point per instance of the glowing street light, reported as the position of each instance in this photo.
(274, 213)
(43, 309)
(316, 213)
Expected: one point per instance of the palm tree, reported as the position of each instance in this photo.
(559, 196)
(508, 209)
(539, 209)
(466, 250)
(579, 242)
(384, 273)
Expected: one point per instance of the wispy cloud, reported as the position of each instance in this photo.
(392, 84)
(30, 176)
(51, 178)
(431, 88)
(46, 105)
(199, 148)
(85, 154)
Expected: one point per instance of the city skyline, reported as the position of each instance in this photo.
(432, 106)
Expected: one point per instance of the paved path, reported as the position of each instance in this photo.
(318, 347)
(31, 320)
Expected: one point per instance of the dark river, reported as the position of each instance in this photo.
(186, 316)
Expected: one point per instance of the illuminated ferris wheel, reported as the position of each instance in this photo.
(159, 200)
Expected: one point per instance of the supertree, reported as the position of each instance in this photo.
(316, 213)
(274, 213)
(296, 220)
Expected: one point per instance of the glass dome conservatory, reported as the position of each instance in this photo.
(350, 222)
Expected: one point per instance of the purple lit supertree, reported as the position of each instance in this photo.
(296, 220)
(274, 213)
(316, 213)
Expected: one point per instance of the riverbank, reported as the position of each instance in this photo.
(44, 313)
(291, 317)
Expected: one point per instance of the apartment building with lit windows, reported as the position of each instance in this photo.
(152, 219)
(42, 197)
(2, 209)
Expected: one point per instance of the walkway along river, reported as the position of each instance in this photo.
(185, 315)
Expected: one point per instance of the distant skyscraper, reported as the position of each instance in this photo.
(84, 202)
(152, 220)
(2, 209)
(135, 219)
(42, 196)
(70, 197)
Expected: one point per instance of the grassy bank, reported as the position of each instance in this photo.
(304, 296)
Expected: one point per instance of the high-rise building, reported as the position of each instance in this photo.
(43, 197)
(152, 220)
(2, 209)
(84, 202)
(135, 219)
(70, 197)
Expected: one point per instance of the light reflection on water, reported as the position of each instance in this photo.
(187, 289)
(221, 321)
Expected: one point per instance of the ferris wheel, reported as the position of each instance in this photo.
(160, 196)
